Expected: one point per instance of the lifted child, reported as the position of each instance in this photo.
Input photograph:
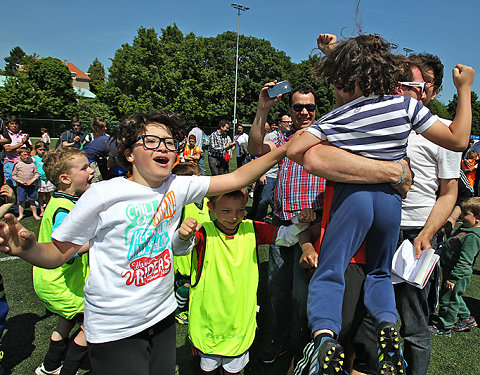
(223, 297)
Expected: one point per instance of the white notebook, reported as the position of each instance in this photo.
(406, 268)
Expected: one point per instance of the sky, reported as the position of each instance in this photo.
(81, 31)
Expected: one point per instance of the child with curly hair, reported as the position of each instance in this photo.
(370, 122)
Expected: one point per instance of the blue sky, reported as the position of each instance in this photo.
(81, 31)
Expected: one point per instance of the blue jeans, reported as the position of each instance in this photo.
(288, 286)
(201, 163)
(266, 198)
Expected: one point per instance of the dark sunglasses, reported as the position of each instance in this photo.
(300, 107)
(152, 142)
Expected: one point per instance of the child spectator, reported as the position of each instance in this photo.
(469, 166)
(182, 264)
(372, 123)
(131, 226)
(45, 138)
(192, 153)
(45, 187)
(226, 269)
(457, 259)
(25, 174)
(61, 289)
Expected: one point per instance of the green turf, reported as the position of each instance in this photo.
(26, 338)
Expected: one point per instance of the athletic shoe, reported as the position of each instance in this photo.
(390, 357)
(182, 318)
(271, 352)
(439, 331)
(328, 358)
(41, 371)
(464, 324)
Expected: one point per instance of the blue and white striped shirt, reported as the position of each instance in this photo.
(376, 127)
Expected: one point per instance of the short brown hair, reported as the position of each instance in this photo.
(236, 194)
(98, 124)
(23, 149)
(187, 169)
(472, 205)
(59, 161)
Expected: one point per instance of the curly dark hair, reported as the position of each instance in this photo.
(364, 60)
(131, 128)
(430, 62)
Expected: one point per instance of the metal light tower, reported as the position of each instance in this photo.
(239, 8)
(407, 51)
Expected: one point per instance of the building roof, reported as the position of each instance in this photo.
(3, 80)
(78, 73)
(84, 93)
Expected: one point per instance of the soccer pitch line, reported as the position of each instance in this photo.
(4, 259)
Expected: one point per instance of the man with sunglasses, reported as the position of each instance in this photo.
(295, 189)
(73, 137)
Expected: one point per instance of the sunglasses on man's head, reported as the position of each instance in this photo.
(300, 107)
(422, 85)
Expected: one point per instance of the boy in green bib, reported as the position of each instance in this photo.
(224, 279)
(183, 264)
(61, 289)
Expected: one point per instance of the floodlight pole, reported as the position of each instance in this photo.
(407, 50)
(240, 8)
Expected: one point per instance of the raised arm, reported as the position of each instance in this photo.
(247, 173)
(256, 144)
(18, 241)
(455, 137)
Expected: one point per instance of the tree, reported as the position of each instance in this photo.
(14, 60)
(44, 90)
(96, 71)
(439, 109)
(90, 109)
(452, 109)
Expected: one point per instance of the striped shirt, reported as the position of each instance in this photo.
(376, 127)
(295, 189)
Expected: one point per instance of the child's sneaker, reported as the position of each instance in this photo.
(271, 352)
(328, 358)
(182, 318)
(390, 357)
(465, 324)
(41, 371)
(440, 331)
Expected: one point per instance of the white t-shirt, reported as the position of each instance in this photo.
(129, 227)
(429, 163)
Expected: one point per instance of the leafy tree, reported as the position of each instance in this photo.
(96, 71)
(439, 109)
(44, 90)
(90, 109)
(452, 109)
(14, 60)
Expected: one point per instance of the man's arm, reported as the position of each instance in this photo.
(439, 214)
(256, 145)
(324, 160)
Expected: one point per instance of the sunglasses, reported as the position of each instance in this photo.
(300, 107)
(152, 142)
(422, 85)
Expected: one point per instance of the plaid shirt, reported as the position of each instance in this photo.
(217, 143)
(296, 189)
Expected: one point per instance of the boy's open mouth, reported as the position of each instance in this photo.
(161, 160)
(90, 180)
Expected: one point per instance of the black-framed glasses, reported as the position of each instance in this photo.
(152, 142)
(422, 85)
(300, 107)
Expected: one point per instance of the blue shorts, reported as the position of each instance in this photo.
(27, 192)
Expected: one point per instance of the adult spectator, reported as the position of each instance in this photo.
(241, 145)
(73, 137)
(199, 136)
(100, 154)
(18, 139)
(265, 187)
(295, 189)
(219, 148)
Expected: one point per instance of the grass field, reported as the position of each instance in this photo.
(25, 340)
